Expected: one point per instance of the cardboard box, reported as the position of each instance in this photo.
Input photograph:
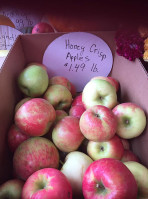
(30, 48)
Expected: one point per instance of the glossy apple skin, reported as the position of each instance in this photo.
(77, 162)
(15, 137)
(98, 123)
(77, 111)
(109, 178)
(59, 96)
(99, 92)
(131, 120)
(42, 27)
(47, 183)
(129, 155)
(112, 148)
(35, 117)
(67, 135)
(140, 173)
(77, 100)
(111, 80)
(11, 189)
(34, 154)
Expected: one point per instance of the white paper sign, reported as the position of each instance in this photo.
(21, 18)
(79, 56)
(8, 36)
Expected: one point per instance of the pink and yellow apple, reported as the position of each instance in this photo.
(34, 154)
(15, 137)
(35, 117)
(47, 183)
(109, 178)
(61, 81)
(98, 123)
(77, 111)
(129, 155)
(112, 148)
(67, 135)
(77, 100)
(131, 120)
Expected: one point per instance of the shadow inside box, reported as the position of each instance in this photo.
(144, 63)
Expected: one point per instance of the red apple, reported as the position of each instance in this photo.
(60, 80)
(66, 134)
(125, 143)
(34, 154)
(42, 27)
(59, 96)
(35, 117)
(128, 155)
(11, 189)
(109, 178)
(21, 102)
(47, 183)
(15, 137)
(73, 89)
(77, 111)
(114, 82)
(60, 114)
(112, 148)
(77, 100)
(98, 123)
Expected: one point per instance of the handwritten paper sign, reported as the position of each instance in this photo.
(21, 18)
(79, 56)
(8, 36)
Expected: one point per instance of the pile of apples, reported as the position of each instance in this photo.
(74, 145)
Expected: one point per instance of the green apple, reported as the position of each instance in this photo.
(74, 168)
(140, 173)
(59, 96)
(11, 189)
(33, 80)
(99, 92)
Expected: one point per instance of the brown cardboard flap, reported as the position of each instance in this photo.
(134, 88)
(8, 98)
(35, 45)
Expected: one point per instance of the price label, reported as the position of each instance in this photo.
(78, 56)
(8, 36)
(21, 18)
